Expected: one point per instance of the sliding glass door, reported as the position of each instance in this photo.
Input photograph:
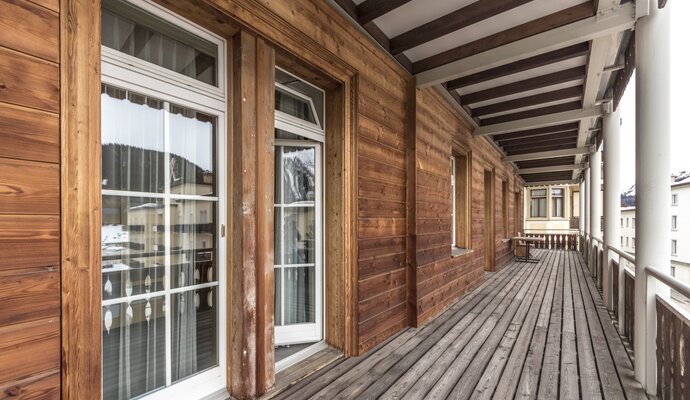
(163, 206)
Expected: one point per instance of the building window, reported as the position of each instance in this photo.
(627, 242)
(633, 223)
(538, 203)
(674, 247)
(162, 310)
(460, 193)
(674, 199)
(633, 243)
(621, 222)
(673, 271)
(627, 222)
(557, 202)
(621, 240)
(674, 222)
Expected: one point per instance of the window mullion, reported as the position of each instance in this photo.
(168, 256)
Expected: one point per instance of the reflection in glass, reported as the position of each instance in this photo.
(138, 33)
(133, 348)
(278, 318)
(131, 246)
(300, 235)
(299, 181)
(299, 295)
(191, 152)
(294, 105)
(192, 242)
(133, 140)
(194, 327)
(314, 94)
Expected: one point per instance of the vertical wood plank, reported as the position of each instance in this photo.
(243, 369)
(411, 182)
(81, 197)
(265, 292)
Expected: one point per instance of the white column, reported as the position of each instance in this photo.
(588, 214)
(595, 204)
(612, 201)
(653, 170)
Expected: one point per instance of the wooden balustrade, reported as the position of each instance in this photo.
(629, 307)
(557, 241)
(672, 353)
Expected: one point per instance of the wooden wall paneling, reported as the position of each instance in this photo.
(29, 241)
(242, 378)
(80, 81)
(28, 294)
(28, 134)
(29, 187)
(29, 28)
(29, 81)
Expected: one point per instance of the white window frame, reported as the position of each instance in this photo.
(453, 193)
(316, 138)
(130, 73)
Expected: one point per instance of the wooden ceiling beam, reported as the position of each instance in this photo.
(464, 17)
(538, 122)
(549, 154)
(551, 57)
(569, 27)
(536, 112)
(538, 139)
(546, 162)
(528, 101)
(547, 130)
(372, 9)
(546, 145)
(538, 82)
(554, 168)
(553, 182)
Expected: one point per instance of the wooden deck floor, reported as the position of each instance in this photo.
(530, 331)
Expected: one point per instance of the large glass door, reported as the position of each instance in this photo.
(298, 243)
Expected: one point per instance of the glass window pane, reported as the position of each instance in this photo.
(194, 325)
(316, 95)
(278, 315)
(300, 235)
(133, 348)
(135, 32)
(299, 180)
(294, 105)
(133, 140)
(192, 242)
(192, 152)
(277, 238)
(132, 246)
(300, 287)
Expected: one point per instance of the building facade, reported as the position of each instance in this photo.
(552, 208)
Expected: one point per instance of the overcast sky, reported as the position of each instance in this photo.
(680, 105)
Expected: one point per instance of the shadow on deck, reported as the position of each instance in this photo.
(530, 331)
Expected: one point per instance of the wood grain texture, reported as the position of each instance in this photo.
(28, 81)
(29, 134)
(28, 187)
(30, 29)
(29, 294)
(80, 157)
(29, 348)
(29, 241)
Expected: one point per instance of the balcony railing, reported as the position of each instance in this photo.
(556, 239)
(672, 320)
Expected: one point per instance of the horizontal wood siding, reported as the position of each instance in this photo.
(441, 278)
(29, 200)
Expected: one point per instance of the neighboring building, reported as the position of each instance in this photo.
(680, 228)
(552, 208)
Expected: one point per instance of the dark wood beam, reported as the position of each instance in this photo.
(575, 105)
(538, 82)
(566, 53)
(547, 176)
(464, 17)
(372, 9)
(522, 102)
(538, 139)
(546, 162)
(571, 126)
(545, 143)
(555, 20)
(537, 149)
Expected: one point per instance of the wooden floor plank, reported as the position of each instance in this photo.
(589, 379)
(512, 372)
(398, 379)
(471, 341)
(608, 378)
(621, 361)
(550, 365)
(491, 357)
(569, 380)
(353, 379)
(529, 331)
